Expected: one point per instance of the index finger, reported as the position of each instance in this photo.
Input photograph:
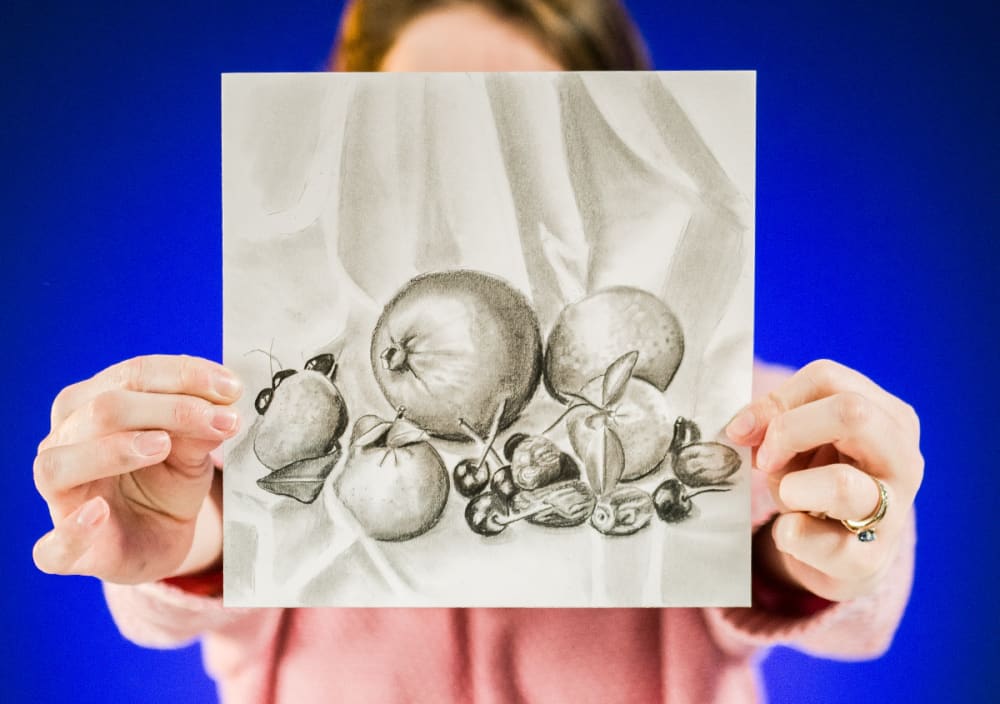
(813, 382)
(158, 373)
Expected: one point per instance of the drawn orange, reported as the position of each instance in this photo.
(592, 333)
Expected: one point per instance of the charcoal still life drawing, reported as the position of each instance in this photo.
(491, 327)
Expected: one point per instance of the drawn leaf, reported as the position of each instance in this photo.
(593, 462)
(614, 459)
(404, 432)
(369, 430)
(604, 461)
(617, 376)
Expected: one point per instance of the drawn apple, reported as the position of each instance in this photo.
(451, 345)
(635, 410)
(394, 482)
(592, 333)
(303, 414)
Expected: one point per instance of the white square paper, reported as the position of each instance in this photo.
(488, 246)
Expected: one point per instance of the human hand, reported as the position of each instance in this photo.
(126, 466)
(822, 437)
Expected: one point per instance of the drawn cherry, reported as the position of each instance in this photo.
(502, 484)
(263, 400)
(485, 513)
(325, 364)
(673, 502)
(472, 474)
(470, 478)
(280, 377)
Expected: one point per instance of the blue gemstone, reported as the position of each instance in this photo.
(866, 536)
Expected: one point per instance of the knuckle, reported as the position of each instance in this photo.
(105, 409)
(44, 470)
(774, 404)
(60, 404)
(823, 372)
(188, 412)
(192, 374)
(47, 442)
(186, 371)
(132, 373)
(845, 485)
(776, 431)
(853, 410)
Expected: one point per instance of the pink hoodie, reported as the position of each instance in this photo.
(489, 656)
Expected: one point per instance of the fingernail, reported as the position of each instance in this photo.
(228, 386)
(92, 513)
(224, 419)
(742, 425)
(151, 443)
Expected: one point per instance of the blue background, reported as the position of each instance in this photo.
(876, 204)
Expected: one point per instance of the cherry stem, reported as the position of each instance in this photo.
(494, 429)
(269, 355)
(514, 517)
(541, 507)
(478, 439)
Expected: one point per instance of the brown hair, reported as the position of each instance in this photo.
(582, 35)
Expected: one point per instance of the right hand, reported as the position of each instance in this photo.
(126, 466)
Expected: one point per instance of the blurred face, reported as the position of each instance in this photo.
(466, 38)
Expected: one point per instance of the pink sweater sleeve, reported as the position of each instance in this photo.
(856, 629)
(850, 630)
(159, 615)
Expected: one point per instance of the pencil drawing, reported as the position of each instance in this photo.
(524, 305)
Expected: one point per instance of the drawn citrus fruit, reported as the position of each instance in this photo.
(641, 419)
(592, 333)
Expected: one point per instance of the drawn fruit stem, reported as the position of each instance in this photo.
(485, 444)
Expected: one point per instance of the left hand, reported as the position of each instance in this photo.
(821, 437)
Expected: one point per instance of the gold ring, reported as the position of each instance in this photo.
(865, 528)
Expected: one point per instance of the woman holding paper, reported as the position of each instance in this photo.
(128, 473)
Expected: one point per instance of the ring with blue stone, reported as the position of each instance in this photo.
(865, 528)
